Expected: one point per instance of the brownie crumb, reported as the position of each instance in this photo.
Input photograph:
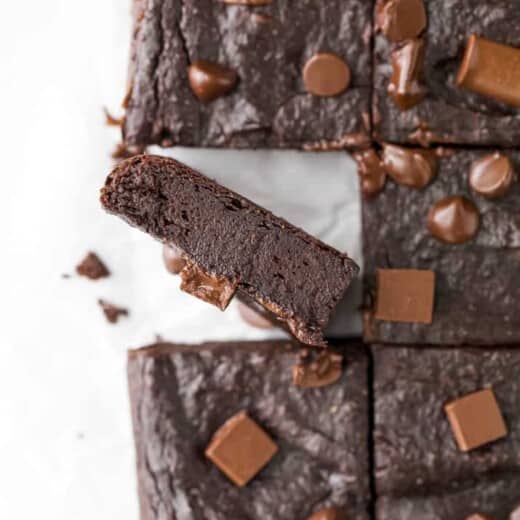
(112, 312)
(111, 120)
(92, 267)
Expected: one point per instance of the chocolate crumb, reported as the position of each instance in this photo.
(92, 267)
(112, 312)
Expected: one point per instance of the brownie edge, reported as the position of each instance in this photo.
(231, 245)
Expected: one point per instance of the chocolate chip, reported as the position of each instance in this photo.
(453, 220)
(324, 370)
(476, 419)
(491, 69)
(405, 295)
(492, 175)
(206, 286)
(111, 311)
(372, 175)
(253, 318)
(326, 74)
(412, 167)
(240, 448)
(405, 87)
(329, 513)
(173, 260)
(401, 19)
(210, 81)
(92, 267)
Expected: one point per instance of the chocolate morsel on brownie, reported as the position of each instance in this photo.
(250, 74)
(191, 405)
(451, 76)
(453, 228)
(231, 245)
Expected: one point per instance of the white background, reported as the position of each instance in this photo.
(65, 436)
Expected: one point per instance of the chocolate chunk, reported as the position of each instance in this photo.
(253, 318)
(491, 69)
(492, 175)
(405, 87)
(476, 419)
(210, 81)
(372, 175)
(210, 288)
(405, 295)
(326, 74)
(92, 267)
(111, 311)
(453, 220)
(173, 260)
(322, 371)
(411, 167)
(329, 513)
(401, 19)
(240, 448)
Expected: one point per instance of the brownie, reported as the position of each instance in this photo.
(476, 294)
(181, 395)
(494, 497)
(415, 449)
(246, 62)
(443, 111)
(230, 244)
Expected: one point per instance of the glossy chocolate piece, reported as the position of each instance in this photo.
(491, 69)
(405, 295)
(401, 19)
(254, 317)
(240, 448)
(210, 81)
(326, 74)
(405, 84)
(453, 220)
(321, 370)
(372, 174)
(492, 175)
(182, 394)
(412, 167)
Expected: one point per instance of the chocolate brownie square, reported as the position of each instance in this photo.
(181, 396)
(249, 73)
(230, 245)
(454, 213)
(415, 448)
(421, 92)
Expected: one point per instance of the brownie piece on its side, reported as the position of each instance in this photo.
(247, 64)
(477, 294)
(415, 449)
(230, 244)
(181, 395)
(444, 112)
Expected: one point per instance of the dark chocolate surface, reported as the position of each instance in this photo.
(415, 451)
(477, 293)
(293, 275)
(495, 497)
(267, 46)
(450, 114)
(181, 395)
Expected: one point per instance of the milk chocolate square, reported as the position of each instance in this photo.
(476, 419)
(405, 295)
(240, 448)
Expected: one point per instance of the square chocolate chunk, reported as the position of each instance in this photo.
(414, 448)
(420, 95)
(181, 396)
(463, 224)
(250, 74)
